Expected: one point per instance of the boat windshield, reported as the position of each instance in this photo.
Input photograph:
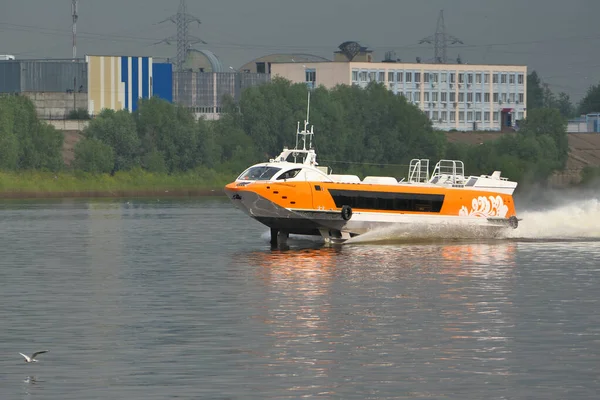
(261, 173)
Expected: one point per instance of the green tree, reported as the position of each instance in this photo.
(117, 129)
(535, 92)
(591, 102)
(169, 129)
(27, 143)
(92, 155)
(549, 122)
(9, 143)
(565, 106)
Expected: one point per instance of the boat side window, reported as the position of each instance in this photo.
(471, 182)
(261, 173)
(292, 173)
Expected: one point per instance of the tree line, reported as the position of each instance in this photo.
(362, 131)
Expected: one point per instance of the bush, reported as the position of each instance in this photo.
(80, 113)
(91, 155)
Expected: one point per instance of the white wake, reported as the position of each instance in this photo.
(578, 220)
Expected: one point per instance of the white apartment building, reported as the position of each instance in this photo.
(464, 97)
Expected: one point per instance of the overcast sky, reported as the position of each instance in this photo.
(557, 38)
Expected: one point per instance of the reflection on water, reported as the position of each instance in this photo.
(391, 295)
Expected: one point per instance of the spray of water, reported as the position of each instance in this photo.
(561, 215)
(579, 219)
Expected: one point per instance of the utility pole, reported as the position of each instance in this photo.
(75, 17)
(440, 40)
(184, 40)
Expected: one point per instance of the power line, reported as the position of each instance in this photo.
(183, 38)
(151, 40)
(440, 40)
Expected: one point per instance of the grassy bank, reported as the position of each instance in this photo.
(34, 184)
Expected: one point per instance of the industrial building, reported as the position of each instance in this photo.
(262, 65)
(589, 123)
(203, 92)
(118, 82)
(56, 87)
(460, 97)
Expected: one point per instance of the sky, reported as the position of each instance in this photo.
(556, 38)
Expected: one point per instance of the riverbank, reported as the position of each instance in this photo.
(138, 183)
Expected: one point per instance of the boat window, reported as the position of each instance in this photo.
(388, 201)
(471, 182)
(290, 174)
(261, 173)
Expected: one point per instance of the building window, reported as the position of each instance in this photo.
(391, 76)
(478, 116)
(433, 77)
(469, 97)
(486, 78)
(461, 116)
(311, 77)
(452, 97)
(417, 77)
(444, 116)
(461, 78)
(496, 98)
(428, 113)
(470, 116)
(435, 116)
(434, 96)
(478, 78)
(520, 115)
(426, 77)
(363, 76)
(504, 97)
(409, 77)
(461, 97)
(486, 97)
(486, 116)
(399, 76)
(260, 68)
(381, 77)
(469, 78)
(511, 79)
(444, 96)
(354, 76)
(417, 96)
(426, 97)
(452, 77)
(503, 78)
(511, 98)
(521, 97)
(452, 116)
(520, 79)
(477, 97)
(443, 77)
(496, 116)
(495, 78)
(372, 76)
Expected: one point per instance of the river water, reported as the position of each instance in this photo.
(157, 299)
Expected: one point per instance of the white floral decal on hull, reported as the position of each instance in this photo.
(485, 207)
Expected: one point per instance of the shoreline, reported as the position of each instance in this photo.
(117, 194)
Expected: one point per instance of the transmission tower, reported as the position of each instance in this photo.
(75, 17)
(183, 38)
(440, 40)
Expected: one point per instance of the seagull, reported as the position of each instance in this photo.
(32, 358)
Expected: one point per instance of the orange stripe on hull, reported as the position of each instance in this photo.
(456, 201)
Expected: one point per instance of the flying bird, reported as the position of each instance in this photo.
(32, 358)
